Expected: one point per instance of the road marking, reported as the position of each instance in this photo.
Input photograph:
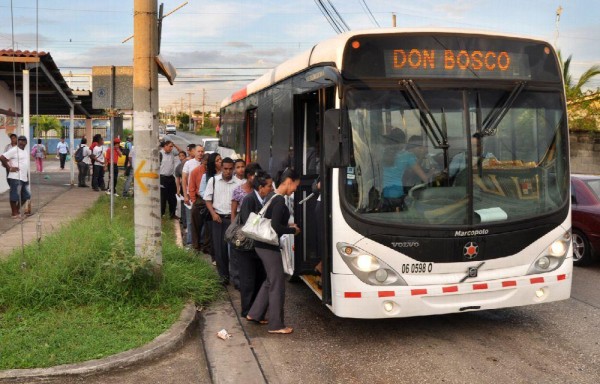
(138, 175)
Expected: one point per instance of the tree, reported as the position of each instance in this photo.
(582, 107)
(45, 124)
(575, 91)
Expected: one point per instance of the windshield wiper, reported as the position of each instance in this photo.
(491, 122)
(437, 135)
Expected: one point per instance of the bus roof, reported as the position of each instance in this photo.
(331, 51)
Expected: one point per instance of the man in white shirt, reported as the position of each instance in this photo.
(188, 167)
(84, 165)
(219, 190)
(16, 161)
(98, 169)
(62, 149)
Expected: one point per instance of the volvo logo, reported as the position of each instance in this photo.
(471, 250)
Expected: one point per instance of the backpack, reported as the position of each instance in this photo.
(126, 150)
(79, 154)
(34, 150)
(39, 152)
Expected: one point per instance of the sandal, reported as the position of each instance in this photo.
(283, 331)
(262, 322)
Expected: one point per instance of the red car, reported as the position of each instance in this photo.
(585, 210)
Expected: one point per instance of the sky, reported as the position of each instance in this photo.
(218, 46)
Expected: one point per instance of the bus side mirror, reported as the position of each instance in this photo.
(335, 140)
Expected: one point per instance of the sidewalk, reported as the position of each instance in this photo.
(54, 202)
(190, 352)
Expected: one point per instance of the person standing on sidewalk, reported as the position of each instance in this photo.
(129, 179)
(113, 158)
(168, 162)
(251, 270)
(217, 195)
(16, 161)
(62, 150)
(270, 300)
(39, 154)
(127, 153)
(13, 143)
(84, 165)
(188, 167)
(97, 157)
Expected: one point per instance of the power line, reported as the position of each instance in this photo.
(328, 17)
(339, 17)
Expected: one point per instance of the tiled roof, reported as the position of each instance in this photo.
(19, 53)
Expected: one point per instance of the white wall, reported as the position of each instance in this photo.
(4, 140)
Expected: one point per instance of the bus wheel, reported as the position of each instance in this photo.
(582, 252)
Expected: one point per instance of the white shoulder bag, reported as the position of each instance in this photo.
(259, 228)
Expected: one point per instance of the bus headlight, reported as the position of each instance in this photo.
(552, 257)
(368, 268)
(366, 263)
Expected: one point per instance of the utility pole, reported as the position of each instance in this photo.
(203, 104)
(558, 13)
(190, 110)
(148, 240)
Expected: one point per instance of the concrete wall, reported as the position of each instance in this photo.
(585, 153)
(4, 140)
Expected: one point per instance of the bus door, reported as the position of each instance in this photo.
(310, 245)
(251, 142)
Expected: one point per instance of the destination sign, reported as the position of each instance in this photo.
(407, 62)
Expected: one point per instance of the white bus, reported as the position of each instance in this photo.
(444, 166)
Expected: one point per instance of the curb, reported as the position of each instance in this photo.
(161, 345)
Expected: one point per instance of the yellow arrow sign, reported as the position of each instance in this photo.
(139, 175)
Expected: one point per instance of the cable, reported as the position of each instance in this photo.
(340, 18)
(327, 16)
(366, 7)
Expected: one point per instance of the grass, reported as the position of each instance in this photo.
(81, 294)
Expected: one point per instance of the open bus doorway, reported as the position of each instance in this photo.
(311, 245)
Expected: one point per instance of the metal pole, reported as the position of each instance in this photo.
(148, 240)
(72, 142)
(26, 122)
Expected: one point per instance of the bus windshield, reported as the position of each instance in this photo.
(455, 156)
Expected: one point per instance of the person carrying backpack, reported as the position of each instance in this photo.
(38, 152)
(82, 157)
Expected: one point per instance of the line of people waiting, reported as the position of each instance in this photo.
(214, 190)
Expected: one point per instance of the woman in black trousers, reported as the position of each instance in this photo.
(251, 269)
(271, 297)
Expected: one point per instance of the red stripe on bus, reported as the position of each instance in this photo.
(561, 277)
(536, 280)
(352, 295)
(386, 293)
(453, 288)
(480, 286)
(416, 292)
(510, 283)
(238, 95)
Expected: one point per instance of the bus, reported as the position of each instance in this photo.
(444, 166)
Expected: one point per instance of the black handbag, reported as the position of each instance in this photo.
(204, 212)
(235, 236)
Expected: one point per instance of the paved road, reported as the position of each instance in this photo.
(549, 343)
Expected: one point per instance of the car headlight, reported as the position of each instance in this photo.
(368, 268)
(552, 257)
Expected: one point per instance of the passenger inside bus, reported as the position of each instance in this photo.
(397, 160)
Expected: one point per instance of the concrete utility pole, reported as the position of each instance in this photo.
(148, 240)
(203, 104)
(190, 110)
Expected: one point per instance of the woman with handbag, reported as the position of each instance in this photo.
(252, 271)
(271, 296)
